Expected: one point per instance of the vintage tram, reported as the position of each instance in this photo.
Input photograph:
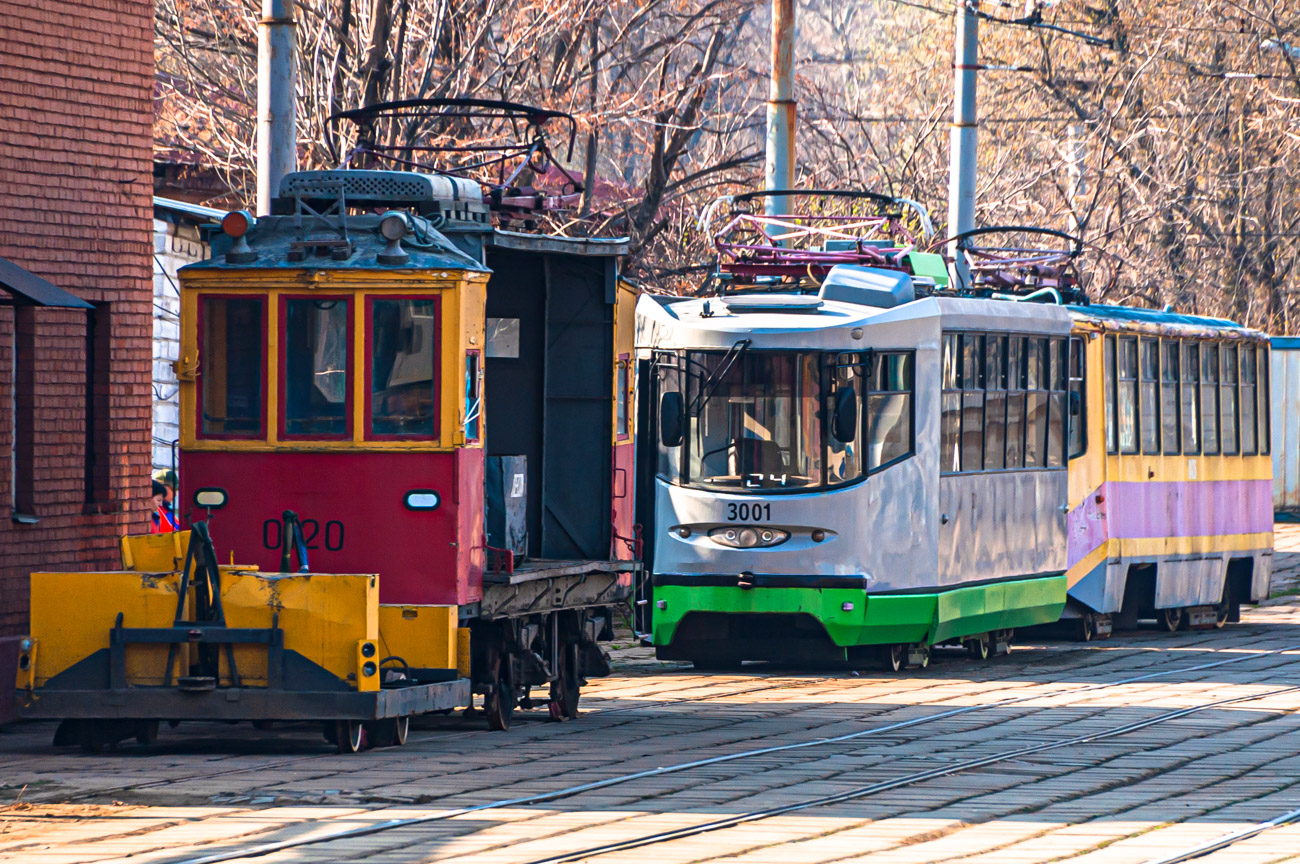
(851, 458)
(406, 447)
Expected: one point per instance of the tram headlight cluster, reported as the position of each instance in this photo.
(748, 537)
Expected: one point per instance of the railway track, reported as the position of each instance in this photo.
(1100, 677)
(1072, 693)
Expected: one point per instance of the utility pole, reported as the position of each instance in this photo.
(961, 176)
(781, 107)
(277, 87)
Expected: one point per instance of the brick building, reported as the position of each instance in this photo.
(76, 198)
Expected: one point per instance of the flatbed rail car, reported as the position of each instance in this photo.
(889, 464)
(377, 381)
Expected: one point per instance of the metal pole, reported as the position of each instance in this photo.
(781, 106)
(277, 134)
(961, 177)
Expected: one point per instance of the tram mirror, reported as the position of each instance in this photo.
(846, 414)
(670, 419)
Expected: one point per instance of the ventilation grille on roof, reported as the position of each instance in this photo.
(362, 185)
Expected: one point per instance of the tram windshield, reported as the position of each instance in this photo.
(769, 421)
(753, 420)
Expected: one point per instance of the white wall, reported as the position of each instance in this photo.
(174, 247)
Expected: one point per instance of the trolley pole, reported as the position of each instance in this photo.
(961, 177)
(781, 107)
(277, 86)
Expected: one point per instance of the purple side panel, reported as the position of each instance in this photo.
(1086, 527)
(1189, 509)
(1169, 509)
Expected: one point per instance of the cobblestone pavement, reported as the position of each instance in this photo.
(1125, 750)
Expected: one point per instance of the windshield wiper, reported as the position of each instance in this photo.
(709, 385)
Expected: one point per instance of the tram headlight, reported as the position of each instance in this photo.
(748, 536)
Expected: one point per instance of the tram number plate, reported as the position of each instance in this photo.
(314, 534)
(748, 512)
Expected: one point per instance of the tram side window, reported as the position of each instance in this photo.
(1169, 395)
(1191, 400)
(844, 458)
(995, 402)
(403, 385)
(1036, 383)
(1127, 395)
(1148, 395)
(1004, 402)
(1263, 402)
(1210, 398)
(950, 408)
(1112, 432)
(473, 395)
(232, 337)
(1249, 441)
(889, 410)
(1078, 430)
(1056, 418)
(1015, 430)
(972, 402)
(1228, 399)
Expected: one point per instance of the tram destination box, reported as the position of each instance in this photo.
(507, 503)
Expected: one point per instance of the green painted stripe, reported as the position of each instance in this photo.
(881, 619)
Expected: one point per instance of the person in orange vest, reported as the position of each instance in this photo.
(161, 521)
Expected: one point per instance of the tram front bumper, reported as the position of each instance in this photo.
(852, 616)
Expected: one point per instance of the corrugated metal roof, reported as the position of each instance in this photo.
(196, 212)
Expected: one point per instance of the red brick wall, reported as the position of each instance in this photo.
(76, 208)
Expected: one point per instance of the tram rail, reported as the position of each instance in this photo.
(262, 849)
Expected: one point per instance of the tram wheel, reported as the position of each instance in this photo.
(499, 705)
(390, 732)
(1221, 612)
(1171, 619)
(567, 688)
(978, 647)
(919, 656)
(350, 736)
(1085, 628)
(146, 732)
(896, 657)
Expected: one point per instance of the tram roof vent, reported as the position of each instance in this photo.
(455, 195)
(867, 286)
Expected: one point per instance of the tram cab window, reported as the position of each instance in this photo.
(754, 420)
(232, 336)
(1169, 425)
(1191, 399)
(403, 370)
(667, 373)
(1228, 399)
(315, 362)
(1210, 398)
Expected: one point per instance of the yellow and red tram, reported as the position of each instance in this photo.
(407, 438)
